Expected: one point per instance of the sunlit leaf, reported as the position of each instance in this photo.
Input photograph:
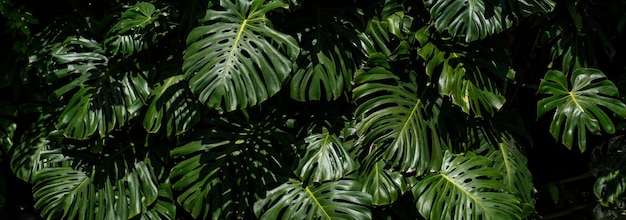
(236, 59)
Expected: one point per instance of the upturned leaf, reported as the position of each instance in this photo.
(578, 104)
(237, 59)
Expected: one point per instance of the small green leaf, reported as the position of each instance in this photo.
(578, 104)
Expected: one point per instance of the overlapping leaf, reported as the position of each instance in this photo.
(135, 29)
(325, 159)
(123, 184)
(172, 106)
(236, 59)
(397, 121)
(340, 199)
(469, 19)
(466, 187)
(580, 104)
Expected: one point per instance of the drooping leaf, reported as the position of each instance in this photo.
(325, 159)
(384, 185)
(172, 106)
(469, 19)
(608, 164)
(111, 184)
(397, 121)
(236, 59)
(341, 199)
(135, 29)
(466, 187)
(512, 164)
(578, 104)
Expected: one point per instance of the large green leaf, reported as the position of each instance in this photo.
(220, 176)
(470, 19)
(114, 183)
(98, 101)
(341, 199)
(578, 105)
(237, 59)
(325, 159)
(135, 30)
(173, 106)
(466, 187)
(384, 184)
(608, 164)
(397, 121)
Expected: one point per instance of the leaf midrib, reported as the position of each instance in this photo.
(308, 191)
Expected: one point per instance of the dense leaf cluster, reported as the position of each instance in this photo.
(301, 109)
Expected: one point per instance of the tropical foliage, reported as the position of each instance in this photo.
(301, 109)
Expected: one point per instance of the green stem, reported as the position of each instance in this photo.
(567, 212)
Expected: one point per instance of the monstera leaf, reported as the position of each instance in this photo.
(396, 120)
(384, 184)
(97, 101)
(173, 106)
(237, 60)
(124, 183)
(325, 159)
(578, 105)
(470, 19)
(135, 30)
(340, 199)
(530, 7)
(608, 164)
(466, 187)
(221, 175)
